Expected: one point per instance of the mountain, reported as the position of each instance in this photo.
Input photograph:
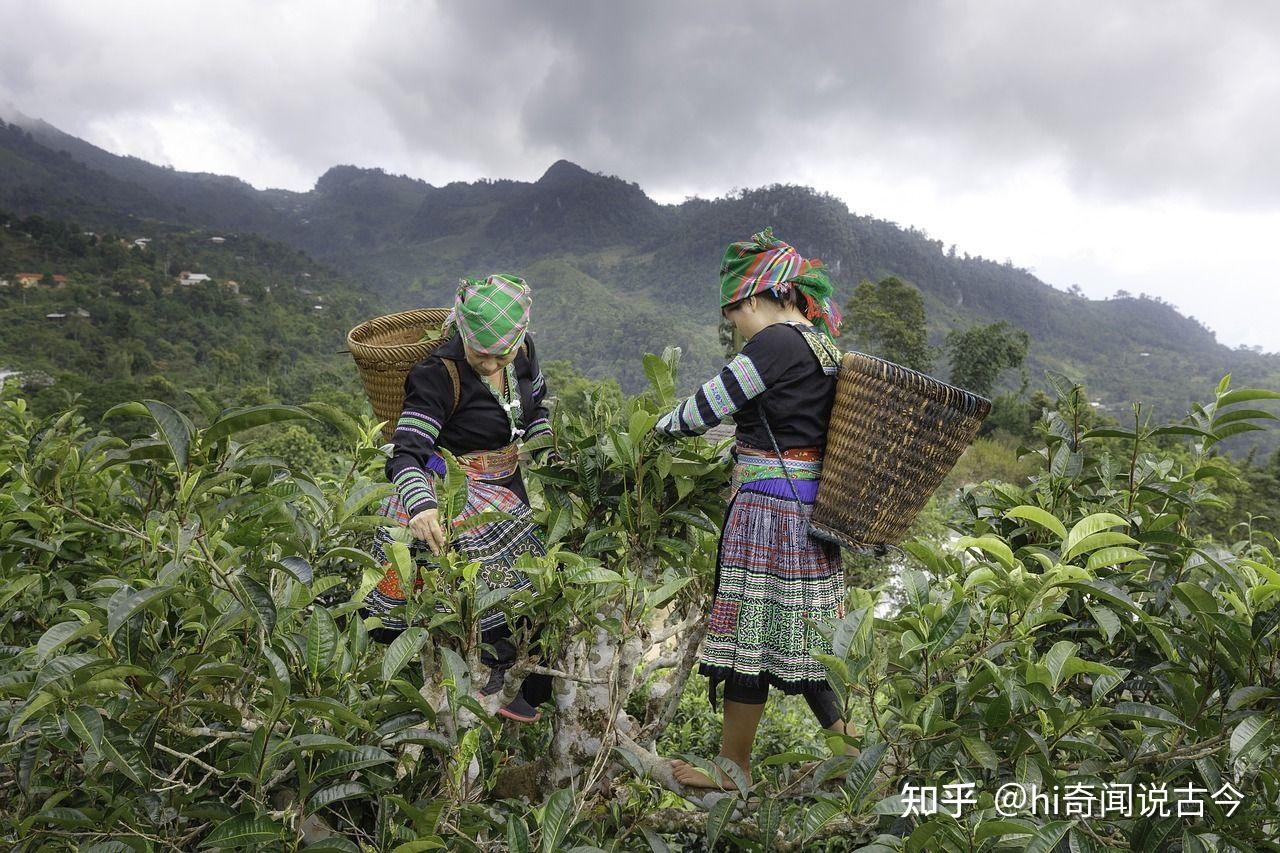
(182, 197)
(616, 274)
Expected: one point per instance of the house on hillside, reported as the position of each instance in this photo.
(217, 241)
(232, 285)
(186, 279)
(55, 316)
(31, 279)
(143, 242)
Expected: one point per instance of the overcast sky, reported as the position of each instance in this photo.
(1115, 146)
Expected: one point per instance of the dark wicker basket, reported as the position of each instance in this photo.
(384, 349)
(894, 435)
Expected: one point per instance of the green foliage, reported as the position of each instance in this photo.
(297, 447)
(1079, 633)
(574, 392)
(182, 636)
(981, 353)
(993, 458)
(622, 490)
(157, 595)
(183, 663)
(888, 320)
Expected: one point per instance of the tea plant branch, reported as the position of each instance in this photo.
(204, 731)
(98, 834)
(656, 767)
(1106, 840)
(186, 787)
(185, 841)
(692, 643)
(681, 821)
(1133, 458)
(805, 772)
(279, 777)
(187, 758)
(1005, 636)
(616, 699)
(204, 556)
(661, 662)
(870, 691)
(22, 738)
(687, 624)
(1189, 752)
(555, 673)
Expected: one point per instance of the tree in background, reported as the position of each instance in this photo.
(575, 392)
(888, 320)
(980, 354)
(296, 446)
(729, 338)
(269, 361)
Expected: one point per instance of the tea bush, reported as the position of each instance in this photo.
(182, 664)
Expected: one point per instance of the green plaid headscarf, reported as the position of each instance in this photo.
(492, 315)
(766, 263)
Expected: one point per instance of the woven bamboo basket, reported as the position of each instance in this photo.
(384, 349)
(894, 435)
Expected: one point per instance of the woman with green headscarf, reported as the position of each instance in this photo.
(476, 395)
(772, 581)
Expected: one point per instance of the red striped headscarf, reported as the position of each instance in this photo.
(766, 263)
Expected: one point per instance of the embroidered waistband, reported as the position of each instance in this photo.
(491, 464)
(808, 454)
(802, 463)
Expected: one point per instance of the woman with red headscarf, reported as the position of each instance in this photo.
(772, 580)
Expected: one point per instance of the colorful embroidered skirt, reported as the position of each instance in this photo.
(770, 578)
(495, 545)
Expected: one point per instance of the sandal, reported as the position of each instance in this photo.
(521, 711)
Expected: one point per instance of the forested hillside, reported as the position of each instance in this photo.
(268, 324)
(616, 274)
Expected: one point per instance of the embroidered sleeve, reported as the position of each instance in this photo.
(738, 382)
(414, 462)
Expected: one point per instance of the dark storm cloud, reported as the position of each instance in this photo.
(1125, 100)
(1131, 99)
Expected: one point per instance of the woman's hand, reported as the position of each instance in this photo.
(425, 526)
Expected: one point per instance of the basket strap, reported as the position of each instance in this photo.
(452, 367)
(457, 384)
(795, 494)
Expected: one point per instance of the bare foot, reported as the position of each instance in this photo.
(690, 776)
